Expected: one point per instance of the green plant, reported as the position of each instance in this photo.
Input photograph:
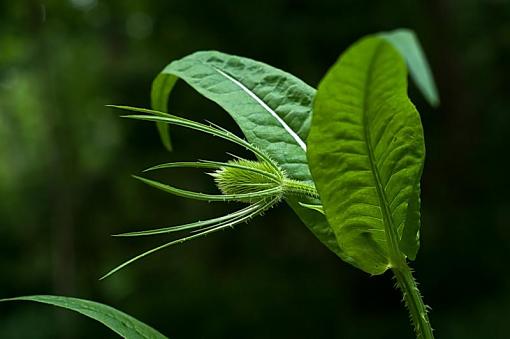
(121, 323)
(351, 171)
(366, 155)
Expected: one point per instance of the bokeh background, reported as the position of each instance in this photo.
(66, 161)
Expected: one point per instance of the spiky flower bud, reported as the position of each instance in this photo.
(260, 178)
(262, 184)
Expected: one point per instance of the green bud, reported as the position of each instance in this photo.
(263, 179)
(254, 177)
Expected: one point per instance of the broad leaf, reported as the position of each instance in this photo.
(121, 323)
(406, 42)
(272, 108)
(366, 154)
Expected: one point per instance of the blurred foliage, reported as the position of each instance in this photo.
(66, 160)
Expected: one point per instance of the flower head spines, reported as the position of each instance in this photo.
(261, 183)
(263, 179)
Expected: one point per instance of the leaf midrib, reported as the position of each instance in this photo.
(261, 102)
(250, 93)
(391, 235)
(293, 133)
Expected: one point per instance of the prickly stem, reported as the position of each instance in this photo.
(413, 301)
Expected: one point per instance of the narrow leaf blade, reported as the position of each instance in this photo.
(260, 208)
(119, 322)
(159, 101)
(262, 194)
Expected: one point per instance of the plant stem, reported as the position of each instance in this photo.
(413, 300)
(299, 188)
(403, 273)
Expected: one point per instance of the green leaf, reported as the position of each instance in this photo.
(267, 193)
(259, 208)
(406, 42)
(272, 108)
(317, 208)
(366, 154)
(124, 325)
(229, 218)
(214, 165)
(410, 241)
(212, 130)
(161, 86)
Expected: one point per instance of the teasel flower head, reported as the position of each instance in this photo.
(261, 184)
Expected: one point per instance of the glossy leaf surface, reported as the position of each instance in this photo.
(272, 108)
(366, 155)
(121, 323)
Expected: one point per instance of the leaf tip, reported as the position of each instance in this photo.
(110, 273)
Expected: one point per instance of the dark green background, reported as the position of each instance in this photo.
(66, 160)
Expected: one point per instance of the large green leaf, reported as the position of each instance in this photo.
(272, 108)
(406, 42)
(121, 323)
(366, 154)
